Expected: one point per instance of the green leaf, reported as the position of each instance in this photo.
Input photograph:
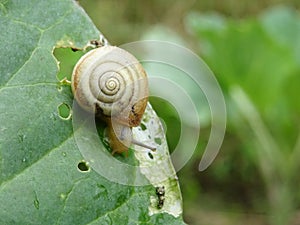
(44, 178)
(258, 54)
(283, 25)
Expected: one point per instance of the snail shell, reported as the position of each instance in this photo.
(111, 83)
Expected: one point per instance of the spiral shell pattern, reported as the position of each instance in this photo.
(111, 82)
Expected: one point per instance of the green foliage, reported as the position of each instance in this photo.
(43, 177)
(256, 61)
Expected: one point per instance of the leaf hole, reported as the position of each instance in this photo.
(150, 155)
(157, 141)
(143, 126)
(83, 166)
(66, 60)
(64, 111)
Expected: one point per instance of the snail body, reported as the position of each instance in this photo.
(111, 83)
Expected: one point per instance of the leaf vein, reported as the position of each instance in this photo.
(5, 183)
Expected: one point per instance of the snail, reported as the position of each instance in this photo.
(111, 83)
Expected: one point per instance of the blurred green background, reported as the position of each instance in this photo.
(253, 48)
